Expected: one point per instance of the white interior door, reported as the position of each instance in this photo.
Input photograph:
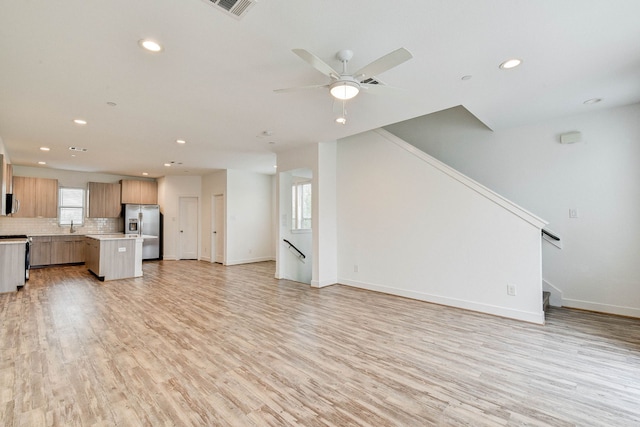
(188, 231)
(218, 229)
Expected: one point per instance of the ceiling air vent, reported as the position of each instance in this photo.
(372, 81)
(235, 8)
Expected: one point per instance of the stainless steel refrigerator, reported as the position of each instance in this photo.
(144, 220)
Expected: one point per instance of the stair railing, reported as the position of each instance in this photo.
(553, 236)
(292, 246)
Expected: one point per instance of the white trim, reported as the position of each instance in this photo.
(465, 180)
(555, 299)
(205, 258)
(250, 260)
(169, 258)
(602, 308)
(323, 283)
(532, 317)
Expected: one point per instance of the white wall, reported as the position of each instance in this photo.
(68, 178)
(292, 266)
(249, 220)
(170, 189)
(320, 159)
(597, 267)
(411, 229)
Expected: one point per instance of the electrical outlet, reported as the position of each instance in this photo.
(122, 249)
(511, 289)
(573, 213)
(355, 268)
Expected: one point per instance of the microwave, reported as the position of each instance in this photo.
(12, 205)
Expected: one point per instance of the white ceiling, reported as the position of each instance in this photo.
(213, 83)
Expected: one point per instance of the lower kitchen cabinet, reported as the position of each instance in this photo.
(52, 250)
(67, 250)
(40, 251)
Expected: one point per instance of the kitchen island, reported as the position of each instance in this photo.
(114, 256)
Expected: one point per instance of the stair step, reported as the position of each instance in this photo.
(545, 300)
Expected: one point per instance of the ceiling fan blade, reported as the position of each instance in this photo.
(384, 63)
(377, 88)
(316, 63)
(294, 89)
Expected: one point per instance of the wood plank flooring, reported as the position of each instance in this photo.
(196, 344)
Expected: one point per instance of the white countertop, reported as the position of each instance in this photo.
(116, 236)
(16, 241)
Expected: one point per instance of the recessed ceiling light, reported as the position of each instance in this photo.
(111, 104)
(167, 164)
(150, 45)
(42, 163)
(275, 166)
(45, 149)
(341, 120)
(467, 77)
(145, 173)
(592, 101)
(181, 141)
(510, 63)
(80, 122)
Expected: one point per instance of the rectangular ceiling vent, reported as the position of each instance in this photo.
(236, 8)
(372, 81)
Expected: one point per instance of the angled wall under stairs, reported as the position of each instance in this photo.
(410, 225)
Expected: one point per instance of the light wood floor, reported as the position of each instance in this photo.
(197, 344)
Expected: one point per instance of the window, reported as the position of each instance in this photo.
(301, 205)
(71, 206)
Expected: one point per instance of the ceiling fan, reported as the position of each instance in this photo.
(345, 85)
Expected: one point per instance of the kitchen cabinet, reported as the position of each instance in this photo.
(38, 197)
(139, 192)
(52, 250)
(67, 249)
(12, 270)
(40, 250)
(104, 200)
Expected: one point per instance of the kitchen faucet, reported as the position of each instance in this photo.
(72, 230)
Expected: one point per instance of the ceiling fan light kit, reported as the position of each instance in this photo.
(344, 89)
(345, 86)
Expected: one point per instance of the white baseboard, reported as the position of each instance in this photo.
(169, 258)
(205, 258)
(532, 317)
(322, 283)
(555, 299)
(249, 260)
(602, 308)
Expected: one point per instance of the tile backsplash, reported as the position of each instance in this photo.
(35, 226)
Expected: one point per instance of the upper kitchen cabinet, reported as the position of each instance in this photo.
(38, 197)
(104, 200)
(139, 192)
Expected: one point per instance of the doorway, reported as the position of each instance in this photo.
(188, 228)
(217, 229)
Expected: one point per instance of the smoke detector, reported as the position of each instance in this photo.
(236, 8)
